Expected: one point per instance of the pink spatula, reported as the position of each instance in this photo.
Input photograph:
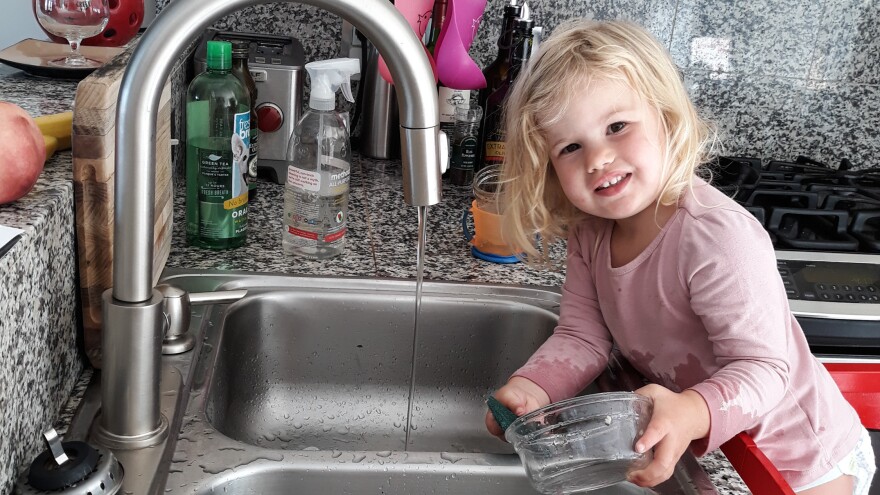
(455, 68)
(418, 14)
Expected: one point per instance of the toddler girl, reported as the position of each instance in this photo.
(603, 146)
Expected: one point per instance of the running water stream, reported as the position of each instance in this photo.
(420, 269)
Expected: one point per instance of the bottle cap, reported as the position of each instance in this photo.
(327, 77)
(513, 9)
(219, 55)
(241, 48)
(523, 25)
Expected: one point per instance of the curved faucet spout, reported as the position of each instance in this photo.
(150, 65)
(130, 322)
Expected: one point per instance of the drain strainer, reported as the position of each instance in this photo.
(71, 468)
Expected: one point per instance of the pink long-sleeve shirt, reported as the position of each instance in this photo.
(703, 308)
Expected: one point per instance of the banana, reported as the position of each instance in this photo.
(51, 144)
(58, 126)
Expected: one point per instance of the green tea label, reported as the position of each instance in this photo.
(222, 184)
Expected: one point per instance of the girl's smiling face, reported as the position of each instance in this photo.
(607, 150)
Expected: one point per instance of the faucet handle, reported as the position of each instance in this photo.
(443, 140)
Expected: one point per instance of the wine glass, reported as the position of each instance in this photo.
(73, 20)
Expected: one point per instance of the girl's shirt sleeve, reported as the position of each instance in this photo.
(729, 267)
(578, 350)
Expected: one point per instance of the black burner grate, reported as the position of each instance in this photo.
(806, 205)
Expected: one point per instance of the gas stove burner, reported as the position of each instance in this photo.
(805, 204)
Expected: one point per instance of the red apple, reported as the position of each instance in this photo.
(22, 152)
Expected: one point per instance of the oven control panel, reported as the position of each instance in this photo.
(835, 297)
(831, 281)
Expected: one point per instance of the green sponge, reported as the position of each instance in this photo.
(503, 415)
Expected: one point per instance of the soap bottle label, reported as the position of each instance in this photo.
(306, 180)
(316, 211)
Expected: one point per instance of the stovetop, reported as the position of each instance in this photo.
(825, 226)
(806, 205)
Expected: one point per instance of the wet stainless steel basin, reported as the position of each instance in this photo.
(304, 386)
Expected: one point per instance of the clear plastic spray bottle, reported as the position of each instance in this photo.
(319, 165)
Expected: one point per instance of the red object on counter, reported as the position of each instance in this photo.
(860, 384)
(126, 17)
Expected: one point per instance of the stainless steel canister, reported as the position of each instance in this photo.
(379, 116)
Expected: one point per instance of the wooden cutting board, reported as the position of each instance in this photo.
(93, 147)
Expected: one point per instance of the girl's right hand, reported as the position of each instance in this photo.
(521, 396)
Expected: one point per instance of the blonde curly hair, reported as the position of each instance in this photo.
(580, 51)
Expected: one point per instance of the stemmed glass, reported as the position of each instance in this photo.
(74, 20)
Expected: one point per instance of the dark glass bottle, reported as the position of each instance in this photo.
(493, 137)
(438, 15)
(240, 53)
(496, 71)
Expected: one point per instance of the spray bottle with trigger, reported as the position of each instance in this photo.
(318, 166)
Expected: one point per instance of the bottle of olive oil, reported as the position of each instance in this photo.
(496, 71)
(494, 134)
(217, 154)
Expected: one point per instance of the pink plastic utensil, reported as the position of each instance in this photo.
(455, 68)
(418, 14)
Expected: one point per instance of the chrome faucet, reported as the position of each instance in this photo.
(132, 309)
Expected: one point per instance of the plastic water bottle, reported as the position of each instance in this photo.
(217, 152)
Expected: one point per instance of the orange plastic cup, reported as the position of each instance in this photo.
(486, 239)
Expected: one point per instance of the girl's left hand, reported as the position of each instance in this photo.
(678, 419)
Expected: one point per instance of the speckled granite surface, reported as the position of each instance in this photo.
(381, 239)
(39, 359)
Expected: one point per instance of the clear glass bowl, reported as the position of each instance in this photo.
(583, 443)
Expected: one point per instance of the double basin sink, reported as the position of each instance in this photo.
(304, 387)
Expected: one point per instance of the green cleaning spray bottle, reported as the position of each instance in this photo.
(217, 148)
(319, 164)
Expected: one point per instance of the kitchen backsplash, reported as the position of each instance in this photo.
(779, 78)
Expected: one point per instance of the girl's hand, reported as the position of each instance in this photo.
(521, 396)
(678, 419)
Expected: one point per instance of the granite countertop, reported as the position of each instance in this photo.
(38, 96)
(381, 242)
(39, 358)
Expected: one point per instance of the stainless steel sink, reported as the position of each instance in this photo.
(330, 368)
(303, 386)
